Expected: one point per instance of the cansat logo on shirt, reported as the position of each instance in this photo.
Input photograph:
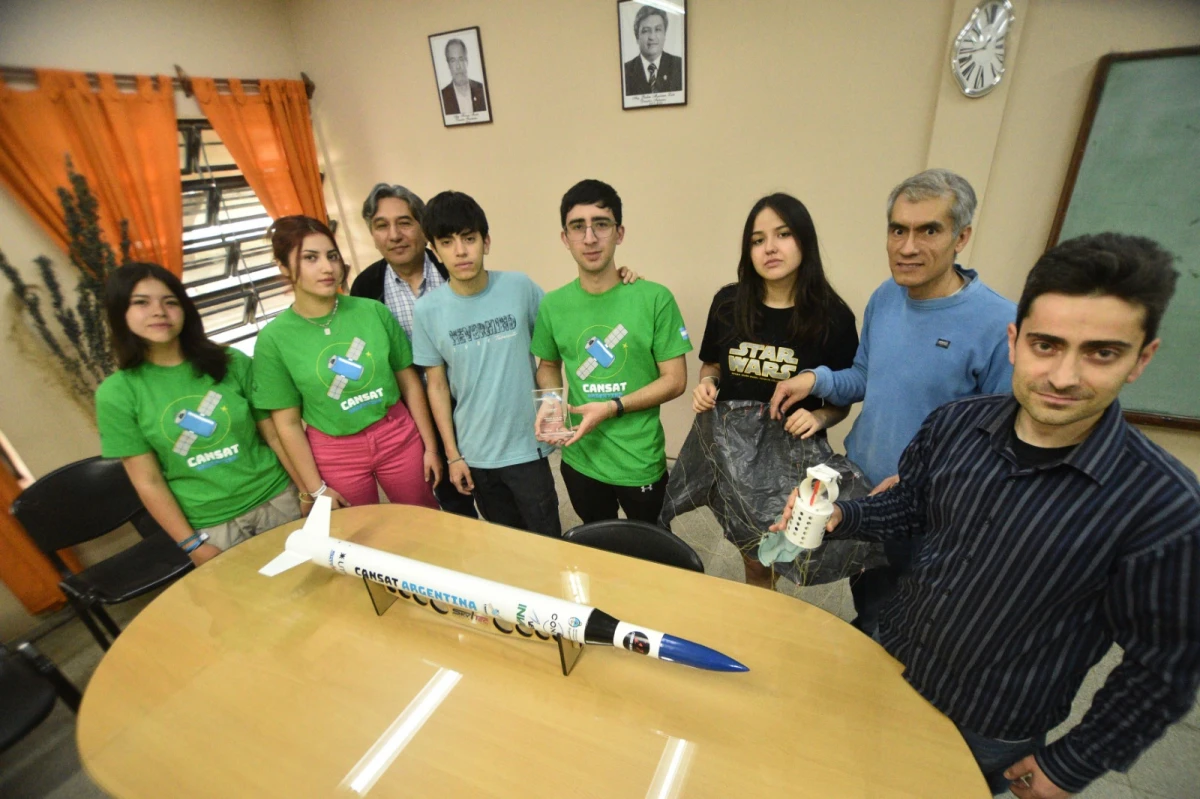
(207, 460)
(357, 403)
(199, 427)
(348, 366)
(762, 362)
(607, 354)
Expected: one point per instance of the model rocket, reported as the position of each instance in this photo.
(547, 614)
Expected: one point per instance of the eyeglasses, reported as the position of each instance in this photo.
(601, 228)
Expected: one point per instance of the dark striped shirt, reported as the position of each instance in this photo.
(1026, 576)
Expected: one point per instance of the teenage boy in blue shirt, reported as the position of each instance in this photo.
(472, 336)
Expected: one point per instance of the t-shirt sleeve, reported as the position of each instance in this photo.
(116, 416)
(400, 354)
(670, 334)
(273, 385)
(843, 341)
(543, 344)
(240, 372)
(715, 332)
(535, 297)
(424, 352)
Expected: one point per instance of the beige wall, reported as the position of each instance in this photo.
(216, 37)
(833, 102)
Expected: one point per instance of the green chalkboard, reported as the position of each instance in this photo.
(1136, 170)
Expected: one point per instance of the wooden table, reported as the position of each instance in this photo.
(231, 684)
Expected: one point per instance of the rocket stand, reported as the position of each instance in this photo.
(569, 651)
(381, 598)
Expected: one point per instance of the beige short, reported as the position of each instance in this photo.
(280, 509)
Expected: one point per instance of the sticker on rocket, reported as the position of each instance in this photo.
(640, 641)
(637, 642)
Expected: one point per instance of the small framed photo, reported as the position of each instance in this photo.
(653, 38)
(461, 77)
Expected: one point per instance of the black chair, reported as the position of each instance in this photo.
(29, 684)
(82, 501)
(637, 540)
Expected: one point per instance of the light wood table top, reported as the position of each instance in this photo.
(232, 684)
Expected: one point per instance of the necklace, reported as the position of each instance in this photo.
(324, 325)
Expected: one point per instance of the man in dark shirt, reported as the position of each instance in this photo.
(1052, 530)
(654, 70)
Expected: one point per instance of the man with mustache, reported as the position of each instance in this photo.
(933, 332)
(406, 272)
(1051, 529)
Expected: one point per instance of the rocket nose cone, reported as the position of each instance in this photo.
(689, 653)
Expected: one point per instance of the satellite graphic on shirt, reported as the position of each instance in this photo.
(600, 352)
(197, 423)
(347, 368)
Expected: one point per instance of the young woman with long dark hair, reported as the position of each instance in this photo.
(206, 463)
(780, 317)
(343, 366)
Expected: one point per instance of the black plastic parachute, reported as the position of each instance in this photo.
(743, 465)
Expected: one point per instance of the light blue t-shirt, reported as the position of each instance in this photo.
(914, 356)
(483, 341)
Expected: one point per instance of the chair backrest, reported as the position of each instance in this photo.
(78, 502)
(637, 540)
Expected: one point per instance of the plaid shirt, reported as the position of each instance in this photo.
(398, 295)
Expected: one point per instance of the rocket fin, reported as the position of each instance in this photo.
(299, 546)
(283, 562)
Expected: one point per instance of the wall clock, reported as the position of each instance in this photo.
(977, 57)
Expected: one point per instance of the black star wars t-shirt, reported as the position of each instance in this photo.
(750, 369)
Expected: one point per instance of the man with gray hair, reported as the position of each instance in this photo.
(461, 95)
(931, 334)
(406, 272)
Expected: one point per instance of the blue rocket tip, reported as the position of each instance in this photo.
(681, 650)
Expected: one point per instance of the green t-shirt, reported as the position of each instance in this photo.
(611, 345)
(202, 432)
(343, 382)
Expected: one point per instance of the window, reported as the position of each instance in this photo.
(227, 265)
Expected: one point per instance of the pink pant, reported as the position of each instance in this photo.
(390, 451)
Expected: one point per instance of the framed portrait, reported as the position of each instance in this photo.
(653, 39)
(460, 76)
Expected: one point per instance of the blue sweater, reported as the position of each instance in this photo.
(913, 356)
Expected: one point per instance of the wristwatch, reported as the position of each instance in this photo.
(620, 407)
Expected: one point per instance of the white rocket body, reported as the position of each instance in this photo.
(550, 615)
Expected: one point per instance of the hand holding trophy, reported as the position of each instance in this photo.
(552, 423)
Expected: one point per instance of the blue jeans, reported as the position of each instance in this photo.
(994, 756)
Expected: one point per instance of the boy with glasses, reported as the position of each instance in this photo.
(623, 347)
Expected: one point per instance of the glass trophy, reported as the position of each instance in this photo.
(553, 422)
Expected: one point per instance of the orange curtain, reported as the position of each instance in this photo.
(270, 137)
(23, 568)
(124, 143)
